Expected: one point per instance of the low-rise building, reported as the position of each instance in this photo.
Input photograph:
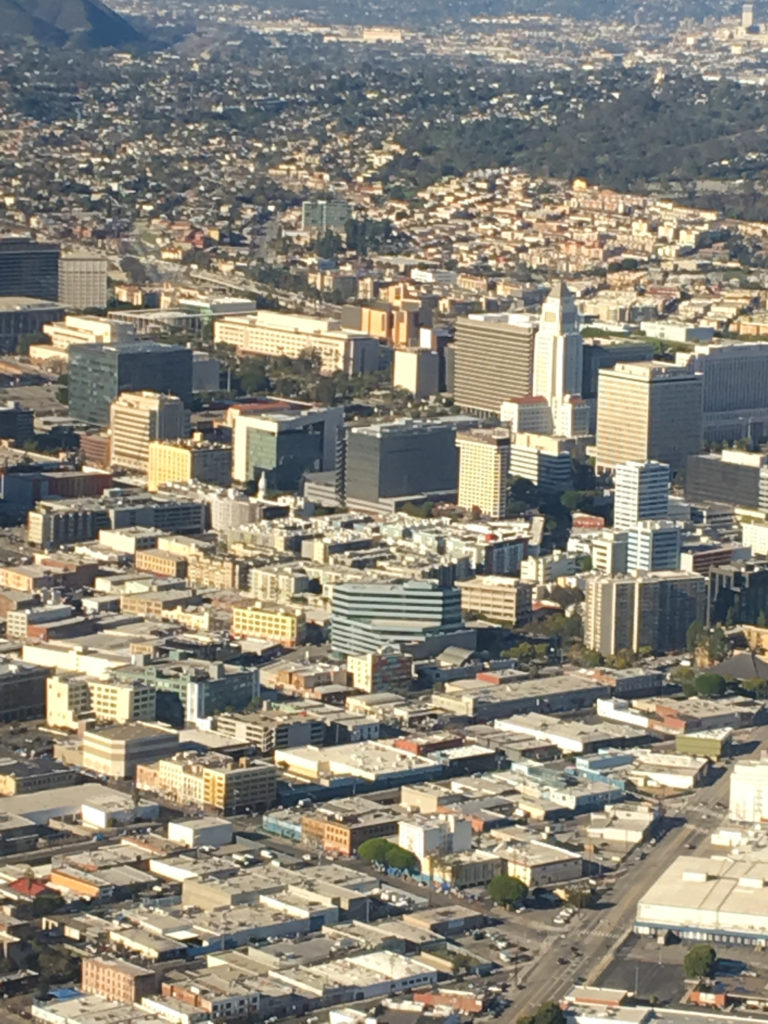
(188, 459)
(72, 698)
(211, 780)
(118, 980)
(340, 826)
(709, 899)
(376, 672)
(286, 625)
(116, 750)
(500, 598)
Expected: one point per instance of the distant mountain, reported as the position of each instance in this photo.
(80, 22)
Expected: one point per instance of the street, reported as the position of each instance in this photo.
(598, 934)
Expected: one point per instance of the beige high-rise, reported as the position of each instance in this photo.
(648, 411)
(138, 417)
(645, 609)
(484, 470)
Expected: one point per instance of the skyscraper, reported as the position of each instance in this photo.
(558, 365)
(648, 411)
(484, 470)
(641, 492)
(493, 361)
(136, 419)
(83, 280)
(99, 373)
(29, 268)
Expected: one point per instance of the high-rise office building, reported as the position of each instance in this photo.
(29, 268)
(653, 545)
(604, 353)
(731, 476)
(641, 492)
(484, 470)
(388, 464)
(648, 412)
(646, 609)
(285, 445)
(748, 17)
(545, 461)
(557, 363)
(140, 417)
(83, 280)
(99, 373)
(371, 616)
(188, 459)
(735, 388)
(492, 360)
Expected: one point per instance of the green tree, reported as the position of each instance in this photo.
(584, 563)
(253, 375)
(504, 889)
(25, 340)
(62, 392)
(373, 850)
(754, 685)
(717, 645)
(547, 1013)
(694, 635)
(48, 902)
(381, 851)
(329, 246)
(700, 961)
(581, 897)
(709, 684)
(402, 860)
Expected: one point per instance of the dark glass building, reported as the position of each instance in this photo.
(602, 354)
(728, 476)
(738, 592)
(388, 464)
(29, 268)
(99, 373)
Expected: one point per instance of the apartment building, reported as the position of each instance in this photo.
(72, 698)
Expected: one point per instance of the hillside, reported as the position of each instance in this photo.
(81, 22)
